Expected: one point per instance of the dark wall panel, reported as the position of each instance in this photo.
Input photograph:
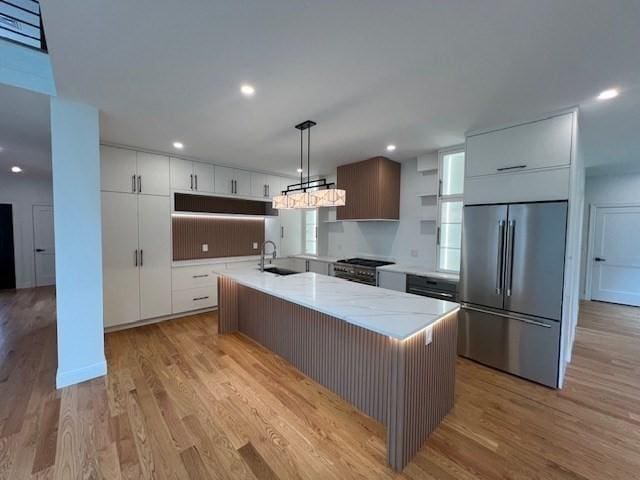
(226, 237)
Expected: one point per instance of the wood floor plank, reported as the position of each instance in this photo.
(257, 464)
(47, 436)
(182, 402)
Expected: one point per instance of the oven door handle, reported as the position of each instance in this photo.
(424, 292)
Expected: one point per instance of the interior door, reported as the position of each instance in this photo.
(483, 236)
(121, 281)
(536, 238)
(117, 169)
(7, 253)
(44, 245)
(153, 173)
(615, 272)
(154, 222)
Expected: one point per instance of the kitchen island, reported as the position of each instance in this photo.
(390, 354)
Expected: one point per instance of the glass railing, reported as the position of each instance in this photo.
(21, 22)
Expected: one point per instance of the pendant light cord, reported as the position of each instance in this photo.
(308, 156)
(301, 155)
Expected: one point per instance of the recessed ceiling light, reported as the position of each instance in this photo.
(247, 90)
(178, 145)
(299, 170)
(391, 147)
(16, 169)
(608, 94)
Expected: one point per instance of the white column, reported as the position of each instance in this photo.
(78, 240)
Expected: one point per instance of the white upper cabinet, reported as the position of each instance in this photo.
(202, 177)
(117, 170)
(128, 171)
(243, 183)
(194, 176)
(274, 185)
(224, 180)
(540, 144)
(259, 185)
(230, 181)
(181, 174)
(153, 174)
(266, 186)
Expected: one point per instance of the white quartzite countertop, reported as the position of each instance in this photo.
(395, 314)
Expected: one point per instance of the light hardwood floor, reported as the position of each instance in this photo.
(180, 402)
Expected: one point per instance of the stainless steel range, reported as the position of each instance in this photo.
(361, 270)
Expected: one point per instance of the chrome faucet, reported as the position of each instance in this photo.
(264, 244)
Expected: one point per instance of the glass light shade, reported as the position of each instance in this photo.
(320, 198)
(332, 197)
(280, 202)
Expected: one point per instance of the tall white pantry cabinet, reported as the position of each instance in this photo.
(136, 235)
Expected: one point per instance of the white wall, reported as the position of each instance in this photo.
(24, 191)
(26, 68)
(394, 240)
(78, 237)
(610, 190)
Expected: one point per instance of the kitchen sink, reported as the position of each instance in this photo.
(280, 271)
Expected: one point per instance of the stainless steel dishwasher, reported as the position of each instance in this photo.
(432, 287)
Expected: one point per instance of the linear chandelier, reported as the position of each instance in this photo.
(310, 193)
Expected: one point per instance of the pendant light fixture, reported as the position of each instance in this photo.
(310, 193)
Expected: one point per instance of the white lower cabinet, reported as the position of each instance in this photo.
(393, 281)
(317, 266)
(154, 227)
(136, 257)
(195, 298)
(194, 287)
(121, 275)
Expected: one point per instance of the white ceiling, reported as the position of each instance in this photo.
(413, 72)
(25, 139)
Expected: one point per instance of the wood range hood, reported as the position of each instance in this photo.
(373, 190)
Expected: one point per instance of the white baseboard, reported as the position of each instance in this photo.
(71, 377)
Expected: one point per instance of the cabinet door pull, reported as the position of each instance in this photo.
(201, 276)
(268, 190)
(191, 187)
(141, 262)
(139, 183)
(281, 232)
(515, 167)
(200, 298)
(133, 183)
(196, 175)
(135, 257)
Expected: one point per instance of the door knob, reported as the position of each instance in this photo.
(598, 259)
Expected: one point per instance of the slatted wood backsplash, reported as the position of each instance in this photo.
(226, 237)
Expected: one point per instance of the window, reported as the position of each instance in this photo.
(310, 224)
(451, 182)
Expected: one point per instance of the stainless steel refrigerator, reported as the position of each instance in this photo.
(511, 287)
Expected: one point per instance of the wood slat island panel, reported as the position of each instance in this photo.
(406, 385)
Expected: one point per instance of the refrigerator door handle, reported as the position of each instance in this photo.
(511, 230)
(504, 315)
(500, 259)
